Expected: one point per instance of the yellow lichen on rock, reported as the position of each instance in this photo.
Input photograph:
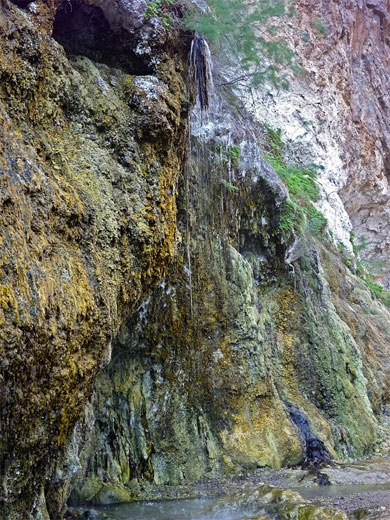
(262, 435)
(88, 222)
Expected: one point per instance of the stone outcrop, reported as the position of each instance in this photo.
(151, 329)
(338, 113)
(235, 361)
(90, 160)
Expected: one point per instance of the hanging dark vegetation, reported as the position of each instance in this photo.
(172, 16)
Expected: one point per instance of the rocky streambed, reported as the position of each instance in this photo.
(337, 492)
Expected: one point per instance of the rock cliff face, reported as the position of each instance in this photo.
(234, 361)
(91, 154)
(338, 112)
(152, 331)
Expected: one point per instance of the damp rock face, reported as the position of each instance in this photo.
(151, 330)
(91, 154)
(235, 361)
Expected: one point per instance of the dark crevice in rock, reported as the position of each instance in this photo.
(84, 30)
(315, 450)
(21, 3)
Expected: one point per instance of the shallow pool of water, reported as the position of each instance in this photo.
(314, 492)
(191, 509)
(202, 509)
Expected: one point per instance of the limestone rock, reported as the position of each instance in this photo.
(88, 224)
(233, 362)
(151, 329)
(338, 112)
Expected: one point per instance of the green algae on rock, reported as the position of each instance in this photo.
(232, 363)
(156, 284)
(88, 225)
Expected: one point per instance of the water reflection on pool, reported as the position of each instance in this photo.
(234, 508)
(196, 509)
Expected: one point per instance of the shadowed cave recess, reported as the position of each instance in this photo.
(83, 30)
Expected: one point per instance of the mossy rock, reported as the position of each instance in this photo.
(275, 504)
(112, 494)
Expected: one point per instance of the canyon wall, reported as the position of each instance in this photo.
(152, 330)
(91, 154)
(236, 360)
(337, 112)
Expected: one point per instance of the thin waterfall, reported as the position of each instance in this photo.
(188, 230)
(201, 70)
(201, 76)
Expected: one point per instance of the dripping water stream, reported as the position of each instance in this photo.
(201, 71)
(201, 77)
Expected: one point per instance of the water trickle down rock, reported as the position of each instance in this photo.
(199, 379)
(186, 394)
(201, 71)
(316, 452)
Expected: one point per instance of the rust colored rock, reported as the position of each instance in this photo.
(339, 113)
(353, 60)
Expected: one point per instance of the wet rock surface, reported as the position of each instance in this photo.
(152, 332)
(359, 490)
(316, 453)
(223, 368)
(88, 223)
